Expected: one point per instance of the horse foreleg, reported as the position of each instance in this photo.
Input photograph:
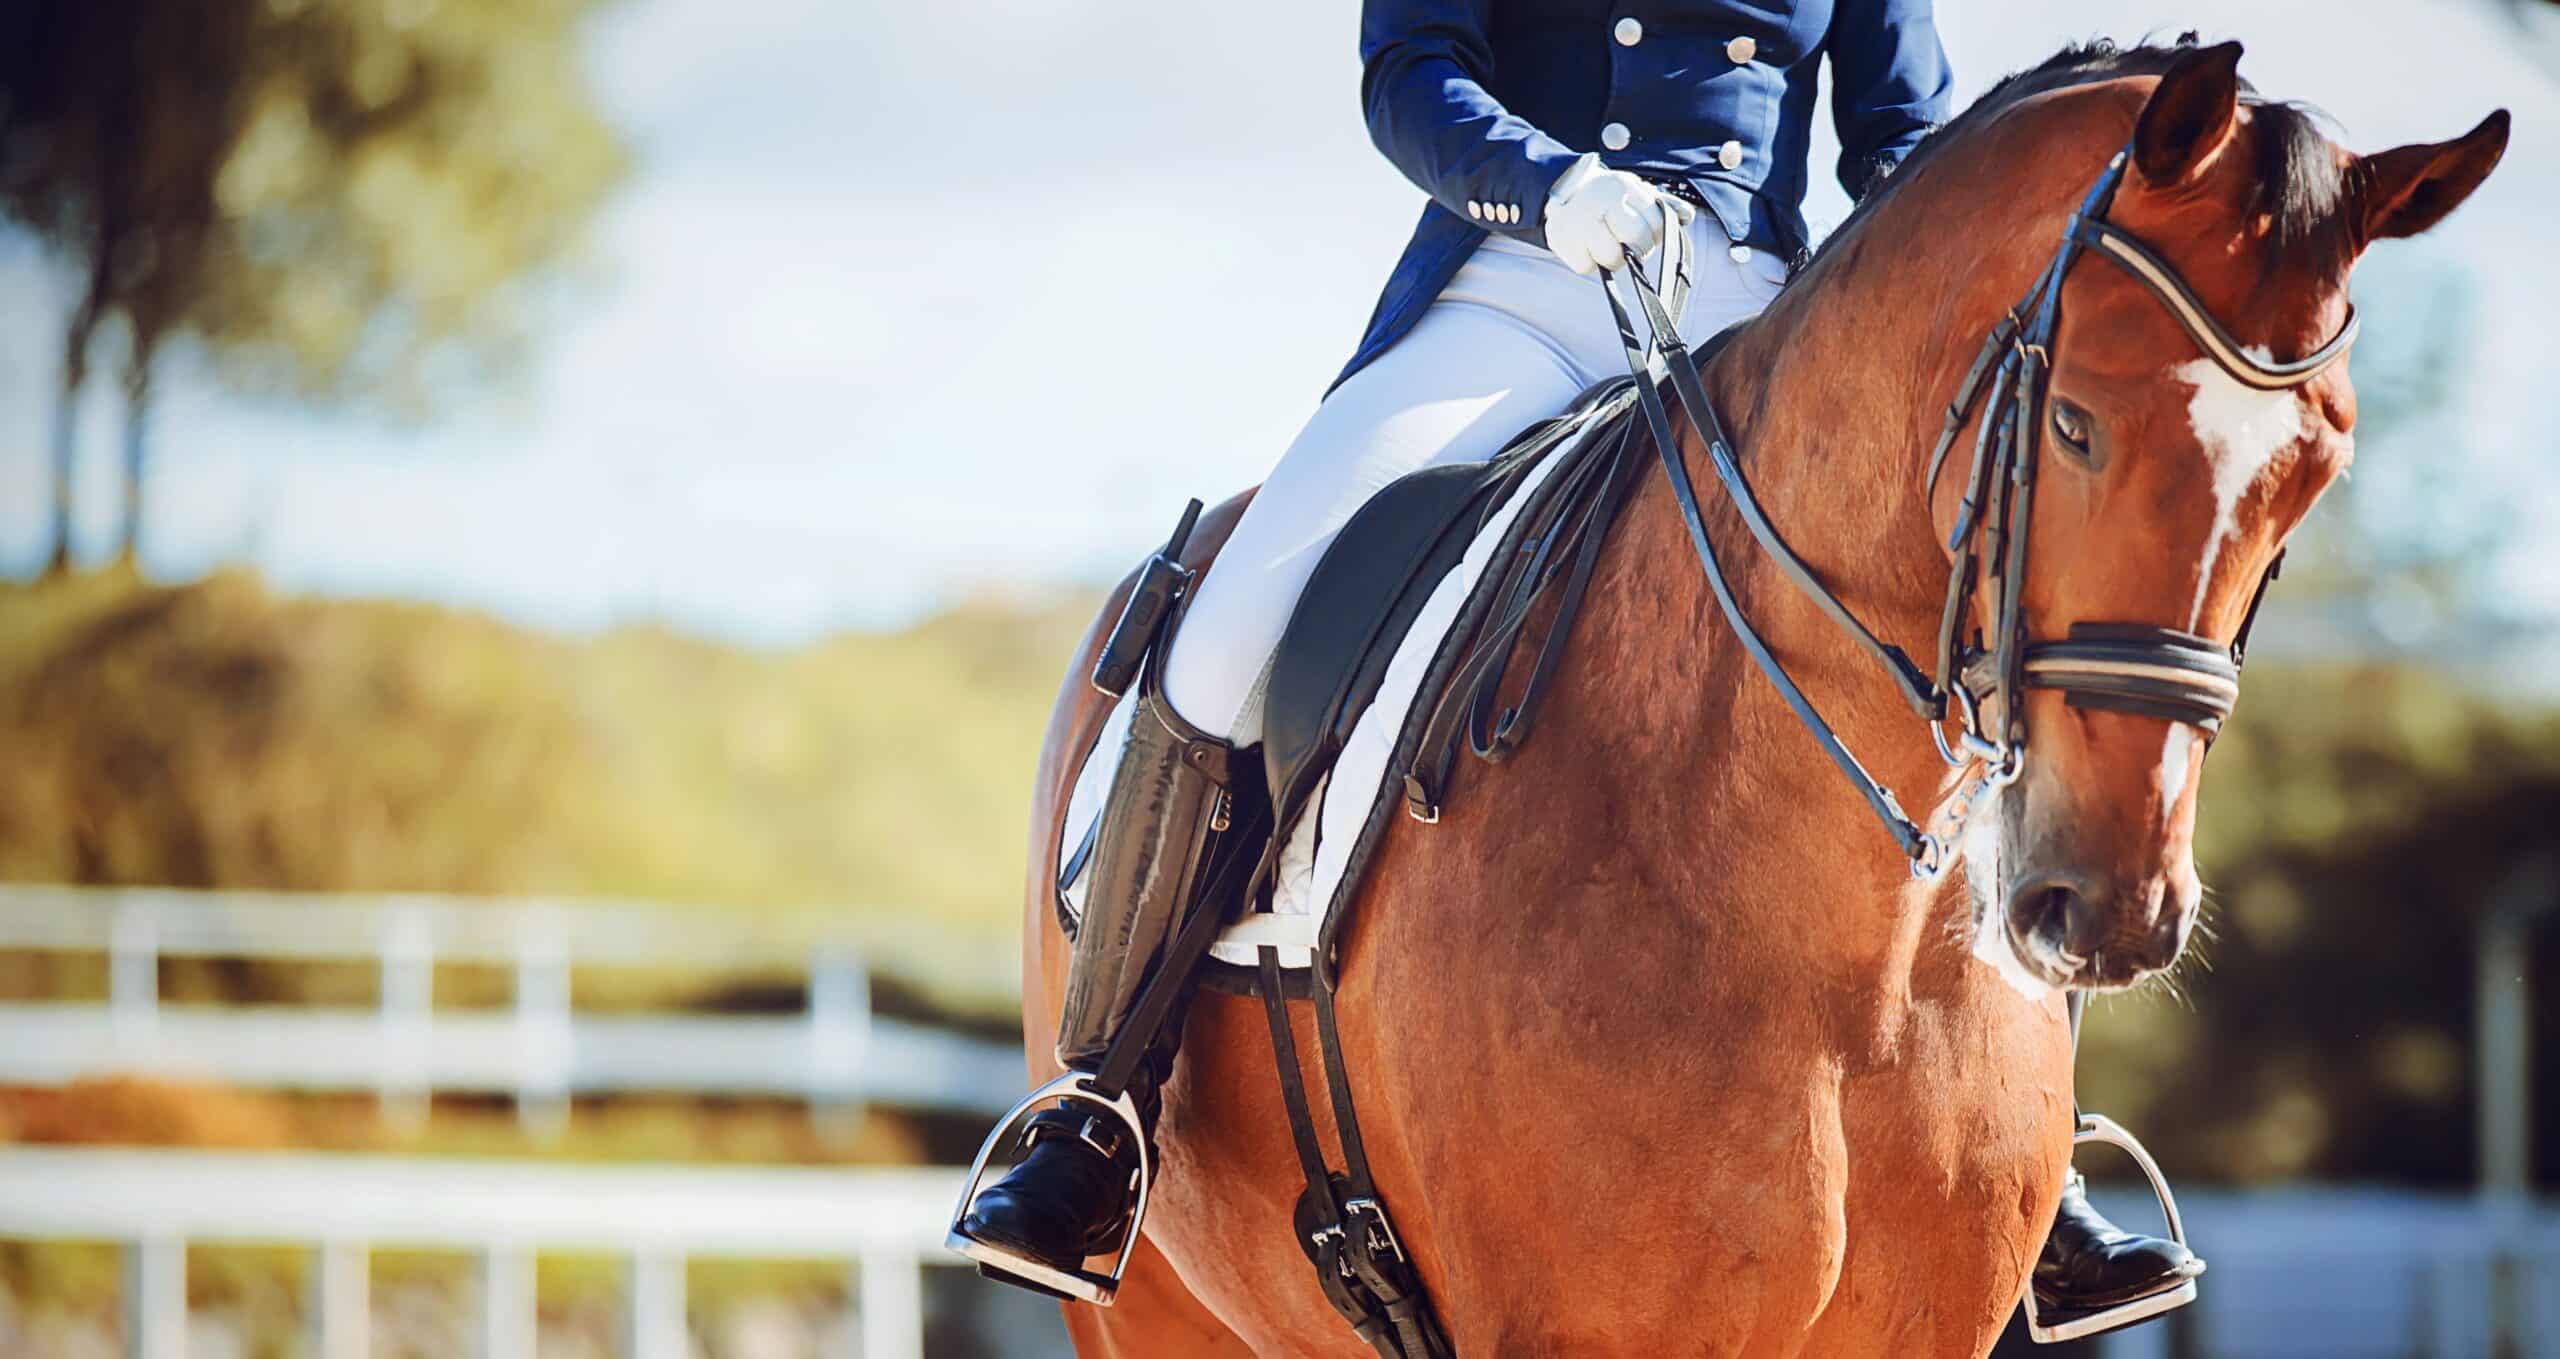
(1153, 1316)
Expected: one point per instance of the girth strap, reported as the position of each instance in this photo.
(1342, 1225)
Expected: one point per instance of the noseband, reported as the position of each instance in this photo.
(2137, 668)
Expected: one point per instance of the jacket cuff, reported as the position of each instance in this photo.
(1514, 197)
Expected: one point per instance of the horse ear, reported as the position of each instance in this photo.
(2189, 115)
(2410, 188)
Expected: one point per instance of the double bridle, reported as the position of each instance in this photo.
(2123, 667)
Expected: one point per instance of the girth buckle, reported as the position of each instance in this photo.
(1379, 1233)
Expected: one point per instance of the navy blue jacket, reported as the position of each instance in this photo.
(1484, 103)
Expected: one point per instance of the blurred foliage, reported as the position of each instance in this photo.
(348, 200)
(216, 734)
(2406, 546)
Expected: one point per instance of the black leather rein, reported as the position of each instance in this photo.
(2136, 668)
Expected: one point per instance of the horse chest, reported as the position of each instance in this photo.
(1676, 1111)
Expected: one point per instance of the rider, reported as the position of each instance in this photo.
(1553, 136)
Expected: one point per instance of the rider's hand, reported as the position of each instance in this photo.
(1596, 215)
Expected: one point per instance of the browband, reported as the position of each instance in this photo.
(2154, 273)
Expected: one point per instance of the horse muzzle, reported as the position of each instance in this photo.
(2073, 929)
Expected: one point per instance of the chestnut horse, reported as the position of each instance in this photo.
(1659, 1046)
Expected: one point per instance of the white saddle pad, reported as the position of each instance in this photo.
(1321, 837)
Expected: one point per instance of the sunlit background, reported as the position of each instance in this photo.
(541, 534)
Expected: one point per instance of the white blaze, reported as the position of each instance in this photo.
(2241, 430)
(2174, 757)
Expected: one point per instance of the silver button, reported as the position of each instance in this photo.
(1729, 155)
(1741, 50)
(1510, 214)
(1741, 254)
(1475, 209)
(1630, 32)
(1615, 136)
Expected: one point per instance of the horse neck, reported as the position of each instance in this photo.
(1826, 408)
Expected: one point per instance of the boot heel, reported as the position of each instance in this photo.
(1005, 1265)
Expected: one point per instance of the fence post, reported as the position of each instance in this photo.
(544, 1041)
(338, 1308)
(2504, 1075)
(408, 991)
(654, 1305)
(509, 1319)
(133, 981)
(891, 1311)
(839, 1036)
(155, 1298)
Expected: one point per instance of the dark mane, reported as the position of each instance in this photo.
(2300, 187)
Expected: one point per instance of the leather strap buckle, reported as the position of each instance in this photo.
(1378, 1234)
(1104, 1139)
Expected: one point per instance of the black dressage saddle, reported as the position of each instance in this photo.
(1383, 567)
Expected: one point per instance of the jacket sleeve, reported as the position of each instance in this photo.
(1889, 85)
(1423, 66)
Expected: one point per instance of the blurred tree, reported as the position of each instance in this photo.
(2408, 516)
(2403, 555)
(347, 201)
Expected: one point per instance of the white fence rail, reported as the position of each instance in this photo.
(886, 1225)
(836, 1054)
(2304, 1273)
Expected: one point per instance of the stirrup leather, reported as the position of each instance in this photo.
(2073, 1325)
(1073, 1088)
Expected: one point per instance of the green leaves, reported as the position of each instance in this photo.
(355, 201)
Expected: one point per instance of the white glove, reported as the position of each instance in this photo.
(1596, 215)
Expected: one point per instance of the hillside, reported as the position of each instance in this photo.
(220, 734)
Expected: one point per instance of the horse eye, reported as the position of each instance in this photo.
(2071, 426)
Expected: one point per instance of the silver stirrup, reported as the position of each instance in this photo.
(2100, 1128)
(1075, 1087)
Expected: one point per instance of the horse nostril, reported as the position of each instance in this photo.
(2045, 911)
(2084, 925)
(2169, 937)
(2061, 913)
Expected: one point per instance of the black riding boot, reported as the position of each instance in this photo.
(1068, 1198)
(1078, 1185)
(2090, 1263)
(2091, 1266)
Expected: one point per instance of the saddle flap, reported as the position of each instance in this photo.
(1365, 591)
(1373, 579)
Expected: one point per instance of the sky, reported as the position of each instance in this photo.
(903, 303)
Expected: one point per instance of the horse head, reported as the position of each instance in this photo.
(2166, 486)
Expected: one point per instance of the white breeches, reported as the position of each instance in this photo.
(1512, 340)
